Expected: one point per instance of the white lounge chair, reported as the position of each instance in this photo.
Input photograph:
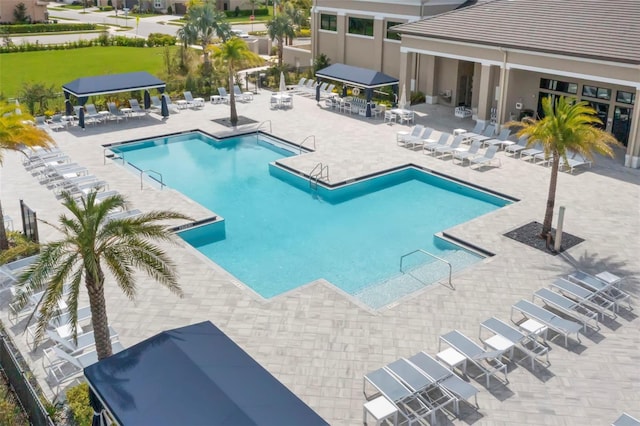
(156, 104)
(598, 302)
(403, 136)
(114, 112)
(193, 102)
(41, 122)
(517, 147)
(435, 397)
(64, 366)
(574, 160)
(477, 131)
(626, 420)
(505, 336)
(431, 146)
(136, 109)
(487, 361)
(531, 153)
(413, 142)
(80, 344)
(552, 321)
(224, 96)
(487, 158)
(468, 153)
(242, 96)
(462, 390)
(568, 307)
(488, 133)
(92, 115)
(56, 122)
(170, 105)
(83, 315)
(502, 137)
(443, 151)
(601, 287)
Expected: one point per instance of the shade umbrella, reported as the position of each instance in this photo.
(283, 83)
(403, 98)
(99, 415)
(164, 109)
(18, 110)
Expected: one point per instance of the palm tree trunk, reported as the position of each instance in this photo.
(280, 48)
(4, 242)
(232, 98)
(99, 320)
(551, 197)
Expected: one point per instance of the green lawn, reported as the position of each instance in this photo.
(57, 67)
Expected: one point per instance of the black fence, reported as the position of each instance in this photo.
(18, 379)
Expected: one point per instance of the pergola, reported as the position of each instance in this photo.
(365, 78)
(194, 375)
(84, 87)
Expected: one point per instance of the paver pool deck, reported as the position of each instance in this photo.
(318, 341)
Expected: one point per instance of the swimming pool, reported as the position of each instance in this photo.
(279, 234)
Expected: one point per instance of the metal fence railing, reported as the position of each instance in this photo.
(19, 382)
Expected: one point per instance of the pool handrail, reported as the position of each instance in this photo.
(310, 137)
(431, 255)
(143, 172)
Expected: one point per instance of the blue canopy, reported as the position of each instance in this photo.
(194, 375)
(114, 83)
(357, 76)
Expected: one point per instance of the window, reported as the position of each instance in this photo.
(158, 4)
(361, 26)
(392, 35)
(559, 86)
(625, 97)
(596, 92)
(328, 22)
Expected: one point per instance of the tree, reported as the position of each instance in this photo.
(16, 133)
(280, 28)
(298, 18)
(36, 96)
(89, 241)
(568, 126)
(253, 4)
(20, 14)
(234, 54)
(204, 24)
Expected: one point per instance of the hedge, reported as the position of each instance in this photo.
(45, 28)
(246, 12)
(155, 39)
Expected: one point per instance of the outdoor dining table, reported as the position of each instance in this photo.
(281, 97)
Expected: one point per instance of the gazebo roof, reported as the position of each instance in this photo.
(362, 77)
(113, 83)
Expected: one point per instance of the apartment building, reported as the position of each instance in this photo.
(36, 10)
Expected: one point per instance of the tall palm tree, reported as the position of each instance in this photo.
(16, 133)
(280, 28)
(568, 126)
(204, 24)
(90, 241)
(298, 17)
(234, 53)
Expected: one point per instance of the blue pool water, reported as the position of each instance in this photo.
(279, 235)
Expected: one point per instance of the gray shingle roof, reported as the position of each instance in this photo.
(598, 29)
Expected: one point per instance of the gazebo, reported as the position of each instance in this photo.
(84, 87)
(365, 78)
(194, 375)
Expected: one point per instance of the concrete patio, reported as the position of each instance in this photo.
(320, 343)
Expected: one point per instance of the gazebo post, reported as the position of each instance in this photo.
(369, 95)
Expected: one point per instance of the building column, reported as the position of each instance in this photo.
(632, 156)
(502, 111)
(428, 76)
(315, 26)
(341, 32)
(485, 93)
(378, 40)
(406, 61)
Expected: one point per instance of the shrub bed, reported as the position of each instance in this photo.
(45, 28)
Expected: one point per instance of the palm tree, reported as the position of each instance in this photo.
(204, 24)
(90, 241)
(568, 126)
(280, 28)
(16, 133)
(234, 54)
(253, 4)
(297, 16)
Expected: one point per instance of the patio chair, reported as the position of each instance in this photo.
(504, 336)
(328, 91)
(240, 96)
(517, 147)
(224, 96)
(300, 85)
(486, 158)
(502, 137)
(568, 307)
(601, 287)
(430, 147)
(587, 297)
(530, 153)
(407, 117)
(83, 315)
(467, 154)
(57, 123)
(92, 115)
(462, 390)
(552, 321)
(287, 102)
(274, 103)
(626, 420)
(435, 397)
(412, 142)
(409, 405)
(487, 361)
(573, 161)
(389, 116)
(170, 105)
(477, 131)
(126, 214)
(193, 102)
(136, 109)
(64, 366)
(156, 104)
(114, 112)
(488, 133)
(443, 151)
(41, 122)
(403, 136)
(75, 346)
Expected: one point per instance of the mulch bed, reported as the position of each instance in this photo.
(529, 234)
(241, 121)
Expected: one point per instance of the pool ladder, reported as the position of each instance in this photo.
(311, 138)
(320, 171)
(426, 253)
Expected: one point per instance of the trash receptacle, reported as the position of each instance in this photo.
(263, 79)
